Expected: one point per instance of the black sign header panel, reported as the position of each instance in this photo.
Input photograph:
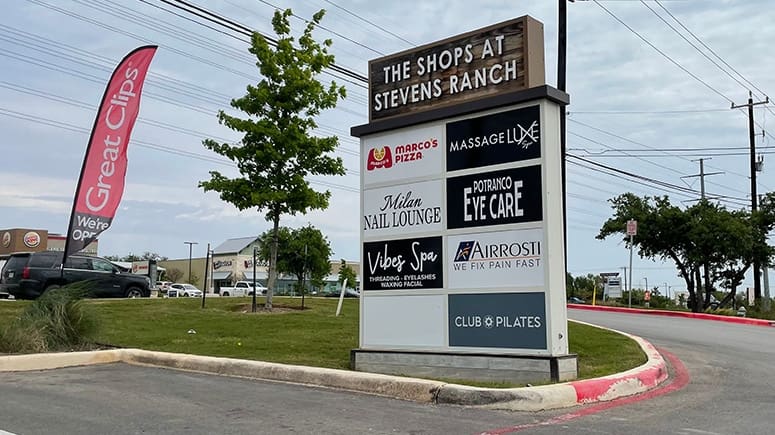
(503, 137)
(508, 196)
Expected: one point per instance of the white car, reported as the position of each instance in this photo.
(183, 290)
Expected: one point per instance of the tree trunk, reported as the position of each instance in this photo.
(273, 260)
(698, 303)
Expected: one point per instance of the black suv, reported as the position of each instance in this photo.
(27, 275)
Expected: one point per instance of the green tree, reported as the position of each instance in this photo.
(147, 255)
(303, 253)
(278, 150)
(346, 273)
(173, 274)
(707, 242)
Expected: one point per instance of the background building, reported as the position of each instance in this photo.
(34, 240)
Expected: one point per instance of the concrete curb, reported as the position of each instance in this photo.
(418, 390)
(703, 316)
(47, 361)
(628, 383)
(634, 381)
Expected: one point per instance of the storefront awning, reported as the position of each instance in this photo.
(259, 275)
(219, 276)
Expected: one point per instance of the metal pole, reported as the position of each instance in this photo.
(562, 38)
(255, 307)
(190, 248)
(207, 267)
(630, 295)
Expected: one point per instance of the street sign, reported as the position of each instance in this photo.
(609, 273)
(632, 227)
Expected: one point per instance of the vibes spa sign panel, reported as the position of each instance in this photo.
(403, 264)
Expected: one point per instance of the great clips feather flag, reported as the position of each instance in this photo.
(101, 184)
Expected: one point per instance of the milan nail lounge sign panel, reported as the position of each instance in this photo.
(461, 209)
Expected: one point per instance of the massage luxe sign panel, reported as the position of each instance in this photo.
(409, 153)
(403, 209)
(503, 137)
(507, 196)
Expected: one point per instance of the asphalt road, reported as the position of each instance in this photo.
(731, 392)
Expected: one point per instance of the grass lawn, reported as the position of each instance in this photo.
(313, 337)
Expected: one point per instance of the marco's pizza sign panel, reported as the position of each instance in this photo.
(504, 57)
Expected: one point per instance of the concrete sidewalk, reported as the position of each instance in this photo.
(628, 383)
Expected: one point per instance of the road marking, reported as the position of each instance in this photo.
(699, 431)
(680, 380)
(2, 432)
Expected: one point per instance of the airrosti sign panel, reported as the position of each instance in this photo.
(504, 57)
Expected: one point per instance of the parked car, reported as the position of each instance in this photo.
(163, 286)
(179, 290)
(242, 288)
(348, 293)
(28, 275)
(575, 300)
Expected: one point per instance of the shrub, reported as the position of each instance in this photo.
(58, 320)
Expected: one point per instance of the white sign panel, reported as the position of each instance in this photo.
(498, 259)
(409, 153)
(403, 321)
(404, 209)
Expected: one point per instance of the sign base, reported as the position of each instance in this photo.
(467, 367)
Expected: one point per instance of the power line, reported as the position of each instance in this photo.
(235, 26)
(693, 46)
(663, 184)
(665, 55)
(326, 29)
(642, 112)
(370, 22)
(709, 49)
(647, 146)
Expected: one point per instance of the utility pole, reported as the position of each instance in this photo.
(702, 175)
(190, 247)
(757, 285)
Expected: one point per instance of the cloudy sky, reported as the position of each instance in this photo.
(646, 99)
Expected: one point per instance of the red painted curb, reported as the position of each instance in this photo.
(594, 390)
(703, 316)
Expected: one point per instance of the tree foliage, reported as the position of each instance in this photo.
(303, 253)
(708, 243)
(173, 274)
(346, 273)
(278, 150)
(147, 255)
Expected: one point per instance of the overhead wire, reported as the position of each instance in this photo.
(146, 144)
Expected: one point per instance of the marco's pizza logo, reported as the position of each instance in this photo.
(380, 157)
(6, 239)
